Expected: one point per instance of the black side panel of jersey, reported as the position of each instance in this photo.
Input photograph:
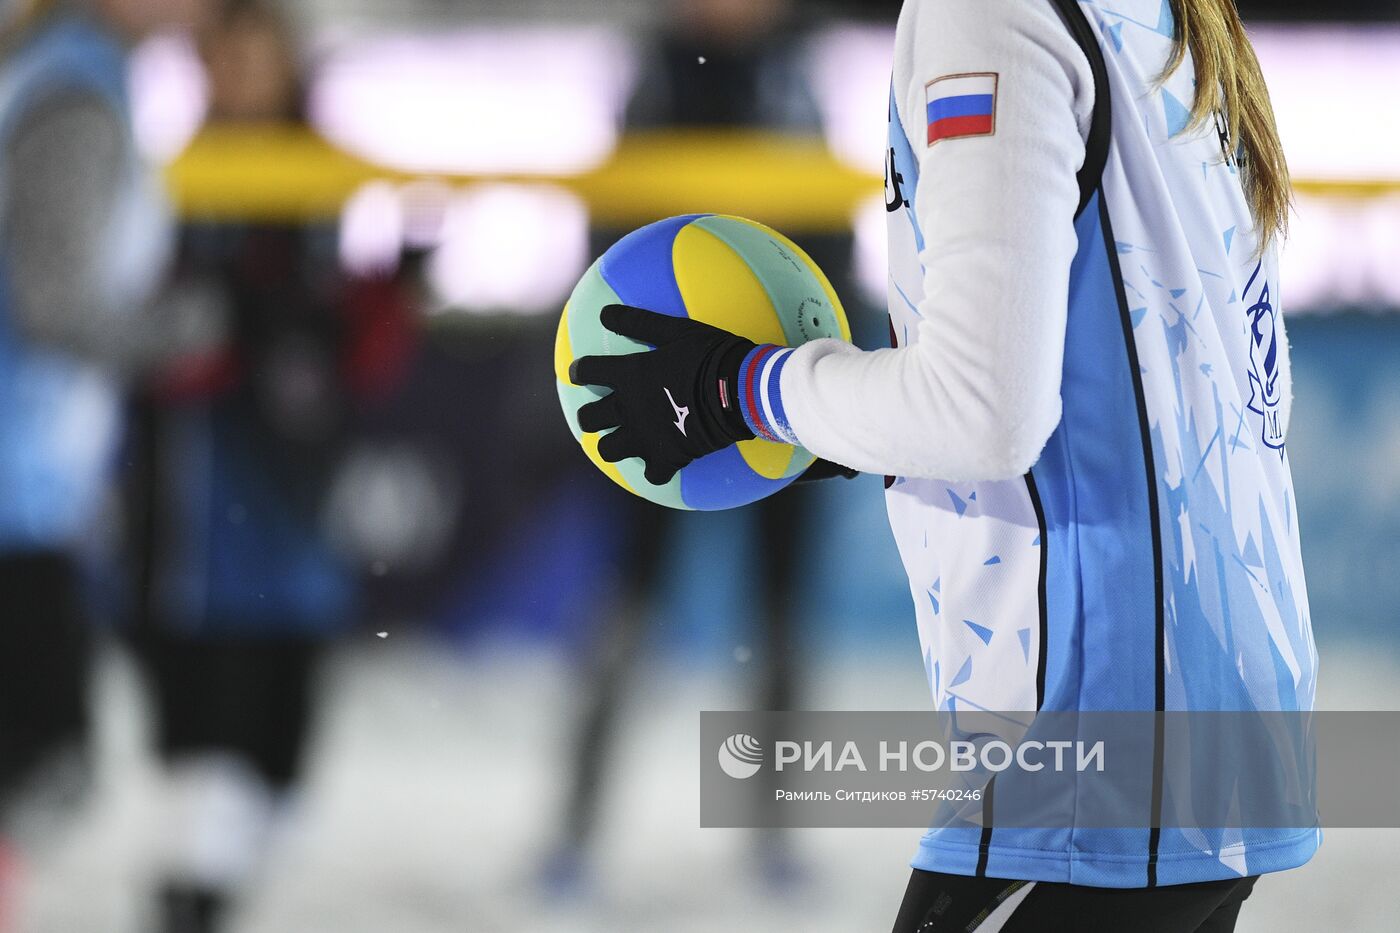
(1096, 148)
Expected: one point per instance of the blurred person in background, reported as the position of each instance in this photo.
(239, 588)
(718, 65)
(83, 240)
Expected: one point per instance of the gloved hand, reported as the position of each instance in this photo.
(672, 405)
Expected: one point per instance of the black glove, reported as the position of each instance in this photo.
(672, 405)
(825, 469)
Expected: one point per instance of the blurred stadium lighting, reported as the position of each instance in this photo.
(1341, 253)
(508, 100)
(425, 205)
(1333, 89)
(372, 230)
(851, 77)
(504, 105)
(168, 95)
(510, 247)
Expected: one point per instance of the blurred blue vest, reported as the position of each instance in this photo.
(59, 415)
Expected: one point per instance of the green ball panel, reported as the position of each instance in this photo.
(588, 337)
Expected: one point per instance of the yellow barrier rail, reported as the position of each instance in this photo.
(283, 173)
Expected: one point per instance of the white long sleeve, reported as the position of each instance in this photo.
(977, 393)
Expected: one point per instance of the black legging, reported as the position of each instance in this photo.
(249, 697)
(941, 903)
(45, 655)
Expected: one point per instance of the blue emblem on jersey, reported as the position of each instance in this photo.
(1266, 388)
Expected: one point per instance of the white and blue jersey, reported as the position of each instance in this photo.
(1086, 409)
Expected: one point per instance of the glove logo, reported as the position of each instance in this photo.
(681, 413)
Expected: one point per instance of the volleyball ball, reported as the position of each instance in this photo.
(726, 271)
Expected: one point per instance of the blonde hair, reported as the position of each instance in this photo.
(1230, 83)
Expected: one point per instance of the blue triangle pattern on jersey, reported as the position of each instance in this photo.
(1251, 553)
(1178, 115)
(981, 631)
(963, 675)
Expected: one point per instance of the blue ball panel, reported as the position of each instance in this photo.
(724, 480)
(640, 269)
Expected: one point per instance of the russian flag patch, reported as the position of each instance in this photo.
(960, 106)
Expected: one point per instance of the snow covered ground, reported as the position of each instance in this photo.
(436, 783)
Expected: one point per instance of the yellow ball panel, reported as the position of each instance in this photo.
(590, 447)
(766, 458)
(563, 351)
(719, 288)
